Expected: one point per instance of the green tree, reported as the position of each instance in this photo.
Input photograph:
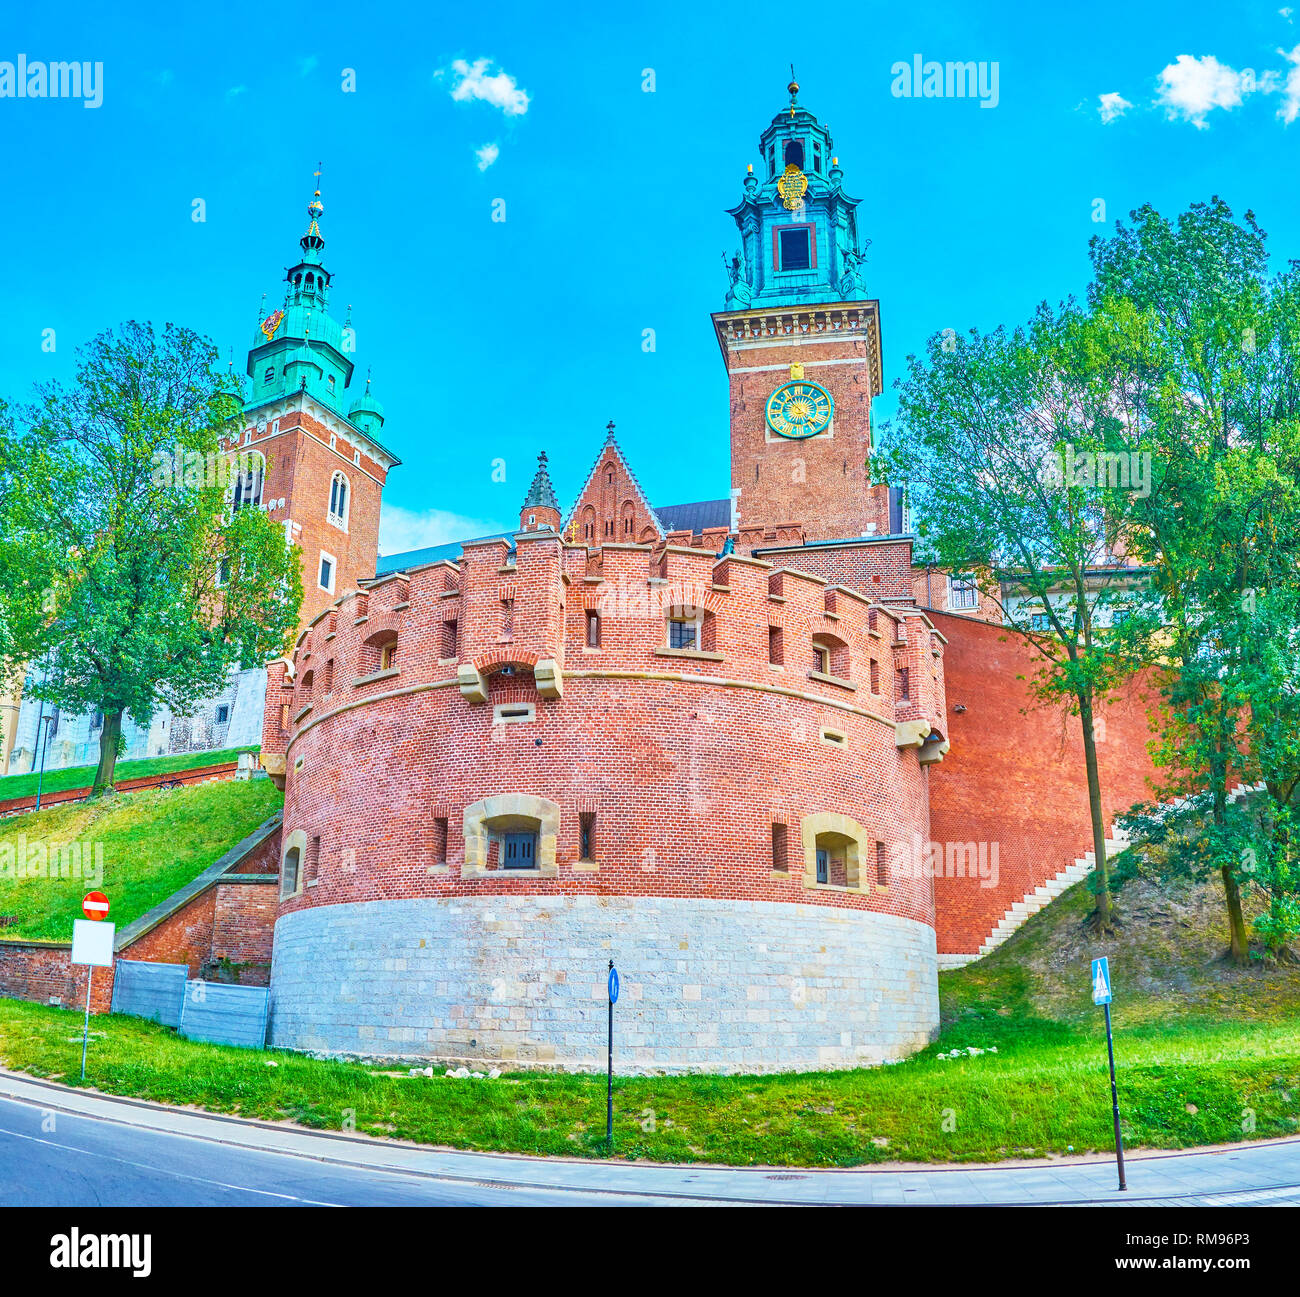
(125, 568)
(1005, 443)
(1204, 349)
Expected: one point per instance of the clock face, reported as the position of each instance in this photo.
(799, 409)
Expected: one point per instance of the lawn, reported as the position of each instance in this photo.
(57, 781)
(1044, 1091)
(150, 843)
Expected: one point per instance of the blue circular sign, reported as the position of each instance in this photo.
(613, 986)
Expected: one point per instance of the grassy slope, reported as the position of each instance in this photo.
(1198, 1046)
(154, 842)
(57, 781)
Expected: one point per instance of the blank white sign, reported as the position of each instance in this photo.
(92, 942)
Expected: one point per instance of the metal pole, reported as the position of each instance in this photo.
(85, 1033)
(40, 778)
(1114, 1101)
(609, 1082)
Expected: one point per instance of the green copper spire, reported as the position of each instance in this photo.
(541, 495)
(301, 347)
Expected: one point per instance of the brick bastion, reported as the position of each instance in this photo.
(502, 773)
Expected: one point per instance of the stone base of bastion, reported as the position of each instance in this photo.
(520, 982)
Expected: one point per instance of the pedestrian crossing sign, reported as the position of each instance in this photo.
(1101, 981)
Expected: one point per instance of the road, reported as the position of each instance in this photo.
(69, 1148)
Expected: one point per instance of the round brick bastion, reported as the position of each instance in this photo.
(473, 829)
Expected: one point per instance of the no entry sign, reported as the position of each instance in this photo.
(95, 905)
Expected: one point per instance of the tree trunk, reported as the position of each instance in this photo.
(1104, 914)
(108, 741)
(1239, 949)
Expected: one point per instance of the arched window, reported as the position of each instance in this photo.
(379, 653)
(250, 477)
(339, 501)
(830, 656)
(303, 692)
(794, 154)
(629, 518)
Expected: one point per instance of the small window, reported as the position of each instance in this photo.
(775, 646)
(963, 592)
(312, 872)
(821, 659)
(682, 634)
(507, 618)
(289, 873)
(794, 154)
(780, 848)
(903, 682)
(328, 674)
(1040, 621)
(251, 471)
(823, 865)
(519, 851)
(269, 375)
(440, 841)
(388, 656)
(505, 713)
(587, 835)
(817, 156)
(223, 572)
(448, 649)
(330, 381)
(284, 718)
(875, 676)
(882, 865)
(593, 628)
(871, 619)
(771, 159)
(326, 577)
(223, 713)
(795, 248)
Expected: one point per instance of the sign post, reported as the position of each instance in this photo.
(609, 1080)
(92, 945)
(1101, 994)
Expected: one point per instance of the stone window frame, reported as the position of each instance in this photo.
(339, 520)
(510, 812)
(513, 713)
(325, 556)
(858, 842)
(295, 841)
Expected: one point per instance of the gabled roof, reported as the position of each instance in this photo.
(612, 444)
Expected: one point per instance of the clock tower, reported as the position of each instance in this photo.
(801, 342)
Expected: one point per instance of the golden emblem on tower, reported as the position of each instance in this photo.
(792, 186)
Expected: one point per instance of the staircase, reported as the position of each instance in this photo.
(1050, 890)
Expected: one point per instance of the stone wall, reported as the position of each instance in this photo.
(520, 980)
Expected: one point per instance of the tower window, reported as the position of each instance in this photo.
(794, 154)
(771, 159)
(780, 848)
(794, 247)
(682, 633)
(817, 157)
(587, 835)
(269, 375)
(775, 646)
(593, 628)
(326, 576)
(338, 514)
(448, 649)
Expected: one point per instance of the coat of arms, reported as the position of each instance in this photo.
(271, 323)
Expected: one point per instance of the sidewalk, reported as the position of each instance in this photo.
(1176, 1177)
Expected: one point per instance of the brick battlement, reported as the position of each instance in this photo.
(535, 613)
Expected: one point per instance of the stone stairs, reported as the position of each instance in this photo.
(1046, 892)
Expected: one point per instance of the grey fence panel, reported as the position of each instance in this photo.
(149, 990)
(224, 1014)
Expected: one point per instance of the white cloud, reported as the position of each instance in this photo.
(487, 155)
(1192, 87)
(475, 82)
(1286, 13)
(1112, 105)
(406, 529)
(1290, 108)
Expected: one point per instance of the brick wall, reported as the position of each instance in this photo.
(1017, 779)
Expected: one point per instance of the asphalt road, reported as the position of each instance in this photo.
(68, 1148)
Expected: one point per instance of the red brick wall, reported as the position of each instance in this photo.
(183, 938)
(1018, 779)
(34, 971)
(611, 507)
(243, 925)
(685, 772)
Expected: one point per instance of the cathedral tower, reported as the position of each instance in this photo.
(313, 461)
(801, 343)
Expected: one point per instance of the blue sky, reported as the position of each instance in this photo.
(491, 340)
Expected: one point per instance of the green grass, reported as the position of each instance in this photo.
(1044, 1090)
(153, 843)
(58, 781)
